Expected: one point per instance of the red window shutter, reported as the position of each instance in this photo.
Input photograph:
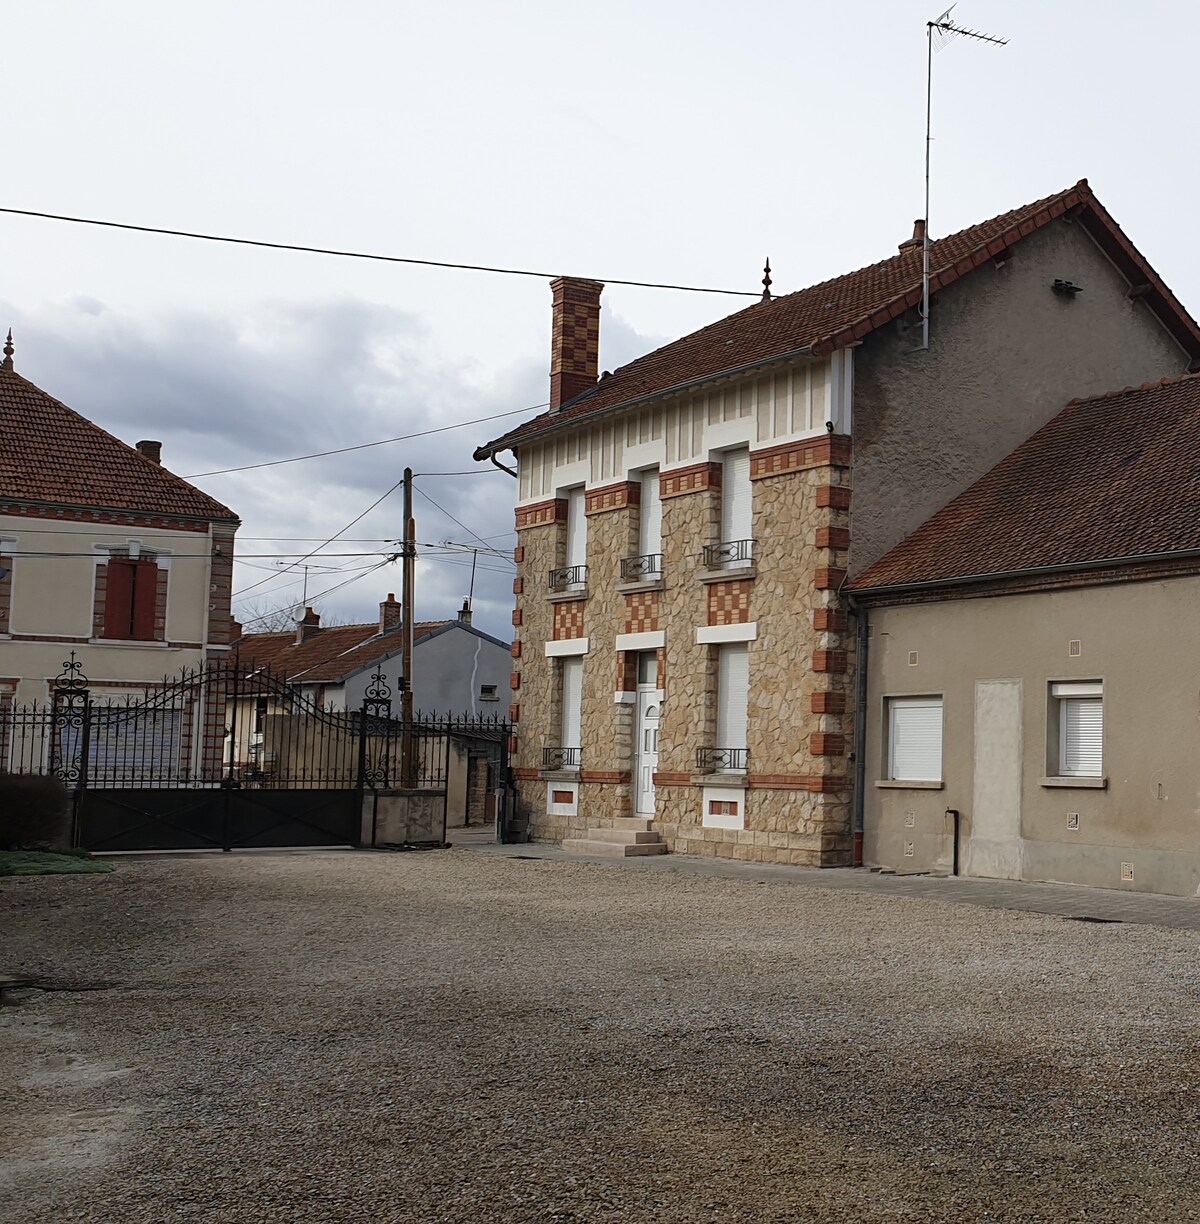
(145, 599)
(118, 598)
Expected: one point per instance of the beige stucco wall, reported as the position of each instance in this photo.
(1006, 355)
(51, 607)
(992, 660)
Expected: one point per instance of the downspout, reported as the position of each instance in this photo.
(860, 724)
(501, 466)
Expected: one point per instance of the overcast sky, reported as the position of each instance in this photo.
(660, 140)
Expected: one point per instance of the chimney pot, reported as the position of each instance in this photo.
(918, 236)
(390, 614)
(152, 450)
(464, 613)
(575, 338)
(308, 626)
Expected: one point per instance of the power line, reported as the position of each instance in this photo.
(311, 250)
(341, 450)
(449, 515)
(297, 564)
(322, 594)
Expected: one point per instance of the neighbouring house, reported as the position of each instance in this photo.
(684, 667)
(460, 675)
(103, 552)
(1033, 686)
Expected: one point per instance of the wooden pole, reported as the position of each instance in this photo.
(409, 554)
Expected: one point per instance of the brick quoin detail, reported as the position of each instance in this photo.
(514, 681)
(517, 617)
(825, 743)
(829, 703)
(626, 671)
(518, 586)
(612, 497)
(541, 513)
(515, 650)
(514, 713)
(829, 661)
(829, 578)
(611, 776)
(833, 537)
(829, 620)
(519, 554)
(694, 479)
(829, 450)
(819, 784)
(833, 497)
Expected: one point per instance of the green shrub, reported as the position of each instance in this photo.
(35, 812)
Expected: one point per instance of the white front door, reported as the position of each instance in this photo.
(648, 710)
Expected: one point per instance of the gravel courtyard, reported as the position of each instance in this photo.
(462, 1036)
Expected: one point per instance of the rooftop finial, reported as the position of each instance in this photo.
(766, 297)
(7, 364)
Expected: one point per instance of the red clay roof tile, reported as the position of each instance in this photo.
(1111, 477)
(51, 454)
(847, 308)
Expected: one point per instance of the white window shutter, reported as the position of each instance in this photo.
(736, 521)
(572, 702)
(650, 537)
(733, 693)
(576, 528)
(1081, 736)
(915, 739)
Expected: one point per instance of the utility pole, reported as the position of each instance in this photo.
(408, 552)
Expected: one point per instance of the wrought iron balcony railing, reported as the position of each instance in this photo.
(721, 760)
(647, 568)
(561, 758)
(572, 578)
(729, 554)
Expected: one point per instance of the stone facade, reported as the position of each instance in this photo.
(794, 798)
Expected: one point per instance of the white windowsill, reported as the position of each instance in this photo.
(1086, 783)
(739, 781)
(732, 574)
(566, 596)
(905, 784)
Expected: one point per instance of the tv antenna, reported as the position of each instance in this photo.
(939, 33)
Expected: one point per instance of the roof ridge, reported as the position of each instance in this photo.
(1132, 389)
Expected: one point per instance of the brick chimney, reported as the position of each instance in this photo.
(308, 626)
(152, 450)
(918, 239)
(389, 614)
(575, 340)
(464, 613)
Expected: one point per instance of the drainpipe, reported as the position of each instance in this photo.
(502, 467)
(860, 724)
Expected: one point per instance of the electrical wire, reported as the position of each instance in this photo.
(401, 259)
(342, 450)
(450, 516)
(327, 591)
(297, 564)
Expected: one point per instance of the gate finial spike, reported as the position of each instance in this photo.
(766, 280)
(7, 363)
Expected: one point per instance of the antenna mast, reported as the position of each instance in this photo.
(945, 31)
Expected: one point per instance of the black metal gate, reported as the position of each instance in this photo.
(225, 758)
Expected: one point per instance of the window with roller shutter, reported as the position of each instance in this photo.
(1080, 727)
(915, 739)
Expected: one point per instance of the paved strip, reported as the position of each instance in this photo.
(1064, 900)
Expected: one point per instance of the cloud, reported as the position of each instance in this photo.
(289, 378)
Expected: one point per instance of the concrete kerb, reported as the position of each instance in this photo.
(1068, 901)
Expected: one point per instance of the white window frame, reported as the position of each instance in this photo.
(736, 711)
(737, 502)
(901, 771)
(1067, 698)
(650, 541)
(571, 725)
(577, 533)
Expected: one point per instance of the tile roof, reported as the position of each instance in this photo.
(329, 655)
(843, 310)
(1111, 477)
(49, 453)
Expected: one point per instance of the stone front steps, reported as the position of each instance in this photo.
(628, 836)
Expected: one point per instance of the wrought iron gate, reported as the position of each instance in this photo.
(225, 758)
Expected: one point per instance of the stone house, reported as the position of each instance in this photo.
(103, 551)
(1033, 665)
(684, 670)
